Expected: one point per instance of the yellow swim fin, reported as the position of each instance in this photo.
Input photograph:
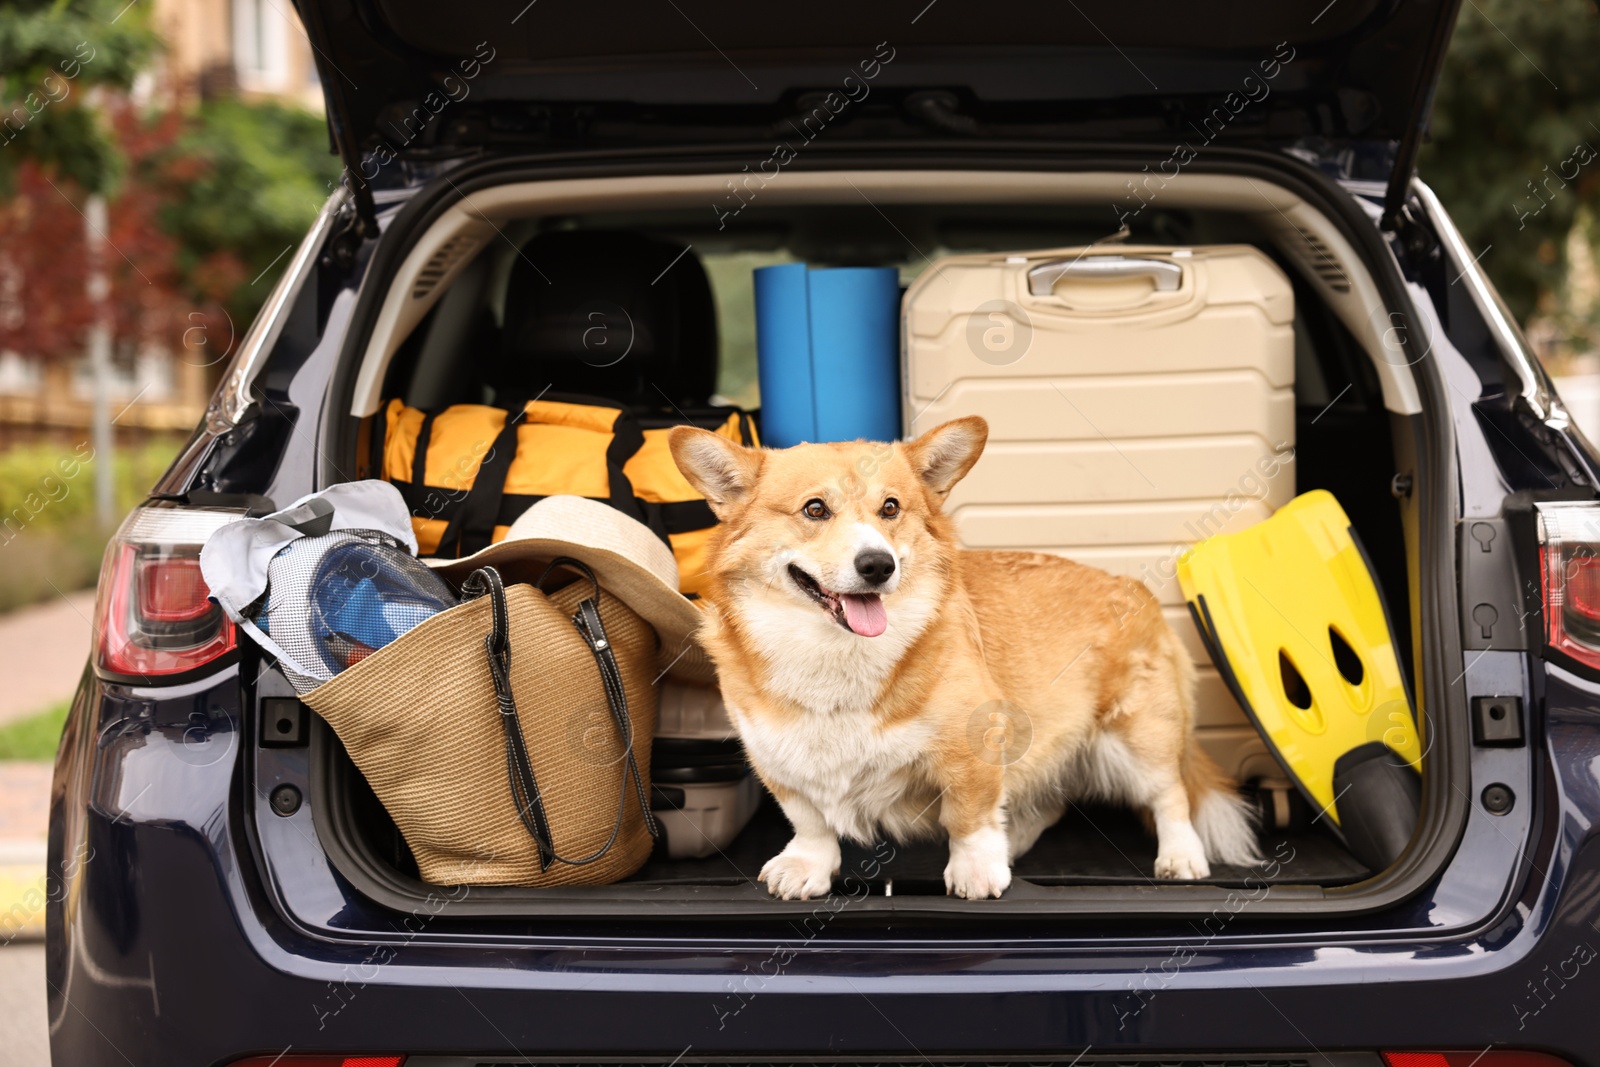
(1292, 618)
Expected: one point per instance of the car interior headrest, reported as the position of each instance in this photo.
(611, 314)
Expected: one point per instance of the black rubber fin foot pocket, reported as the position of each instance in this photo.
(1379, 799)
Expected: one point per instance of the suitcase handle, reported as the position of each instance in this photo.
(1043, 278)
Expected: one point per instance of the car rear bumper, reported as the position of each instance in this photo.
(167, 946)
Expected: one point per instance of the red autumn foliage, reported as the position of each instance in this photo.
(45, 312)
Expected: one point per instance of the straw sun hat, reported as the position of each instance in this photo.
(631, 562)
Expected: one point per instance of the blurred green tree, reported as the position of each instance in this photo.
(1515, 147)
(253, 176)
(54, 55)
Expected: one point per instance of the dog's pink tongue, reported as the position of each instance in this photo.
(864, 614)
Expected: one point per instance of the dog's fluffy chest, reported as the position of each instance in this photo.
(867, 779)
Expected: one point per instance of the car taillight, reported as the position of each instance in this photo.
(1569, 572)
(171, 590)
(288, 1060)
(153, 614)
(1491, 1058)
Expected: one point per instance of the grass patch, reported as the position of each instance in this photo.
(35, 737)
(49, 540)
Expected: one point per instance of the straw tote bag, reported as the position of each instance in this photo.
(509, 737)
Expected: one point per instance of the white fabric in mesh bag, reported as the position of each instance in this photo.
(325, 581)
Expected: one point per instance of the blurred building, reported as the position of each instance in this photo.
(161, 392)
(256, 47)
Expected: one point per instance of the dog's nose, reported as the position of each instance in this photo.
(875, 565)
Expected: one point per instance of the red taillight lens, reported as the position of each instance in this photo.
(171, 590)
(154, 615)
(1478, 1058)
(1569, 579)
(322, 1061)
(1583, 586)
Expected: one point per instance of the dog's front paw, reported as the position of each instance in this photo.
(975, 879)
(799, 875)
(979, 867)
(1184, 864)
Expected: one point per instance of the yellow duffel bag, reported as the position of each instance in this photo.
(468, 471)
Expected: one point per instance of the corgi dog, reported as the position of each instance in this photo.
(885, 681)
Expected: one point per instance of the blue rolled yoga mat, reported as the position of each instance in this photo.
(828, 351)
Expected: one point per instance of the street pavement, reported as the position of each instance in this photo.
(43, 649)
(24, 794)
(24, 1038)
(42, 654)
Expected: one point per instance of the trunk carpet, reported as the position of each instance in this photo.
(1091, 845)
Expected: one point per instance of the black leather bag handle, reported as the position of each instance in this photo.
(593, 631)
(524, 784)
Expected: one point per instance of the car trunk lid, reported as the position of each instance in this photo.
(1345, 80)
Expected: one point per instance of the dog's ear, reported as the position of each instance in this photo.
(943, 456)
(721, 470)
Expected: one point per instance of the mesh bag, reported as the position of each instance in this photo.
(333, 600)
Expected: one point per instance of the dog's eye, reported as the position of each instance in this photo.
(890, 509)
(816, 509)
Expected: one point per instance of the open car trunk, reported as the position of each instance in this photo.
(1358, 423)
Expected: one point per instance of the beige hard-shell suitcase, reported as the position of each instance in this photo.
(1139, 399)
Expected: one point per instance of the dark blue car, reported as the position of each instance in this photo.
(226, 889)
